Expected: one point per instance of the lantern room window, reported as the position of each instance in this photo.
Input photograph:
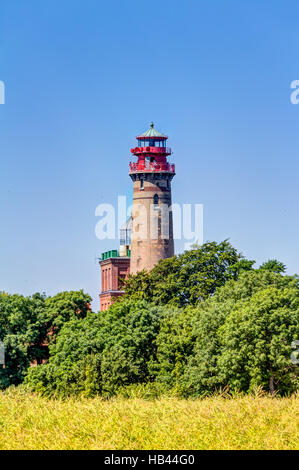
(151, 143)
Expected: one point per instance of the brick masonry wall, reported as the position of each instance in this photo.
(147, 250)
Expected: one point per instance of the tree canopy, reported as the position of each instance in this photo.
(197, 323)
(29, 324)
(189, 278)
(239, 336)
(232, 322)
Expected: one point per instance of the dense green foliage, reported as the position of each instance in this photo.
(22, 330)
(188, 278)
(198, 322)
(244, 334)
(101, 352)
(29, 324)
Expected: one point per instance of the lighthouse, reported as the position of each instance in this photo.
(152, 221)
(147, 236)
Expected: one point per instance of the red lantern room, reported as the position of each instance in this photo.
(151, 153)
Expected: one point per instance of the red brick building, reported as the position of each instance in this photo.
(113, 269)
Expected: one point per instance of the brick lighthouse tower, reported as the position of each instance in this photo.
(147, 237)
(152, 224)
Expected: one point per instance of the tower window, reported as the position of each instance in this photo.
(156, 200)
(142, 183)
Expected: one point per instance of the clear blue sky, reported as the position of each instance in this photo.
(83, 78)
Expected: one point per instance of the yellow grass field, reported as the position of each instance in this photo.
(31, 422)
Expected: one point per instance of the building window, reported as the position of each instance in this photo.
(156, 200)
(141, 183)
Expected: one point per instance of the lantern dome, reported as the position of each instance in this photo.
(152, 133)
